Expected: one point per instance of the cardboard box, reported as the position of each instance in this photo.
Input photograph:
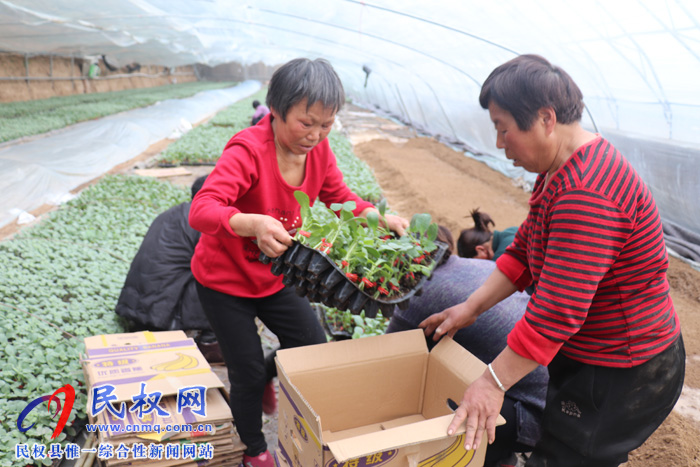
(218, 413)
(165, 361)
(376, 401)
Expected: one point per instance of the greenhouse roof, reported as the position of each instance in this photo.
(636, 61)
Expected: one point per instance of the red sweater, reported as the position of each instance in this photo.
(247, 179)
(593, 245)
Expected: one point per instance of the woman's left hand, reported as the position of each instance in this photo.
(396, 223)
(483, 399)
(480, 408)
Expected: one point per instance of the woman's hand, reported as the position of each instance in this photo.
(397, 224)
(271, 236)
(449, 321)
(483, 398)
(480, 407)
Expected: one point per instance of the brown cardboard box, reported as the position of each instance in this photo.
(165, 361)
(218, 413)
(376, 401)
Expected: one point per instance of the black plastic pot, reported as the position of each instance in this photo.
(318, 264)
(303, 258)
(301, 287)
(317, 277)
(346, 290)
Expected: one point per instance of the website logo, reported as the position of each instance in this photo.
(65, 412)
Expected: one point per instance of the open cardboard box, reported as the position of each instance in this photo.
(376, 401)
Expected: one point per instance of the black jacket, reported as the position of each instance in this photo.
(159, 292)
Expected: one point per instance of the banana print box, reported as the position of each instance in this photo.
(165, 361)
(374, 402)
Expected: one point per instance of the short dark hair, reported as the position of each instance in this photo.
(256, 103)
(527, 83)
(197, 185)
(469, 239)
(301, 78)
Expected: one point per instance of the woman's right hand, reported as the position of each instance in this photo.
(270, 235)
(449, 321)
(272, 238)
(496, 287)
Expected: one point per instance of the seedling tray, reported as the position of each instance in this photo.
(316, 276)
(337, 333)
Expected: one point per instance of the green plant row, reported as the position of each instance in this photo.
(356, 173)
(201, 145)
(61, 281)
(238, 115)
(27, 118)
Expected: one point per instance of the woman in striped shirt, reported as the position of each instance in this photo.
(601, 317)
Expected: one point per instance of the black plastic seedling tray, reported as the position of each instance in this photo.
(317, 277)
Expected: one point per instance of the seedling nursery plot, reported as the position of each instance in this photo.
(61, 281)
(27, 118)
(63, 276)
(203, 145)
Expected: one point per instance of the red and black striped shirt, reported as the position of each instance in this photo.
(593, 245)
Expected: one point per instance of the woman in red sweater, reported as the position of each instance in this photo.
(600, 317)
(246, 206)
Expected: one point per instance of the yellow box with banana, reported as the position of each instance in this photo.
(166, 361)
(377, 401)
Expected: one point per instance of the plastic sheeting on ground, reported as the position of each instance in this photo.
(45, 169)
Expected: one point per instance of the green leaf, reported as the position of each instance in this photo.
(349, 206)
(373, 220)
(420, 223)
(432, 232)
(304, 202)
(347, 216)
(381, 207)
